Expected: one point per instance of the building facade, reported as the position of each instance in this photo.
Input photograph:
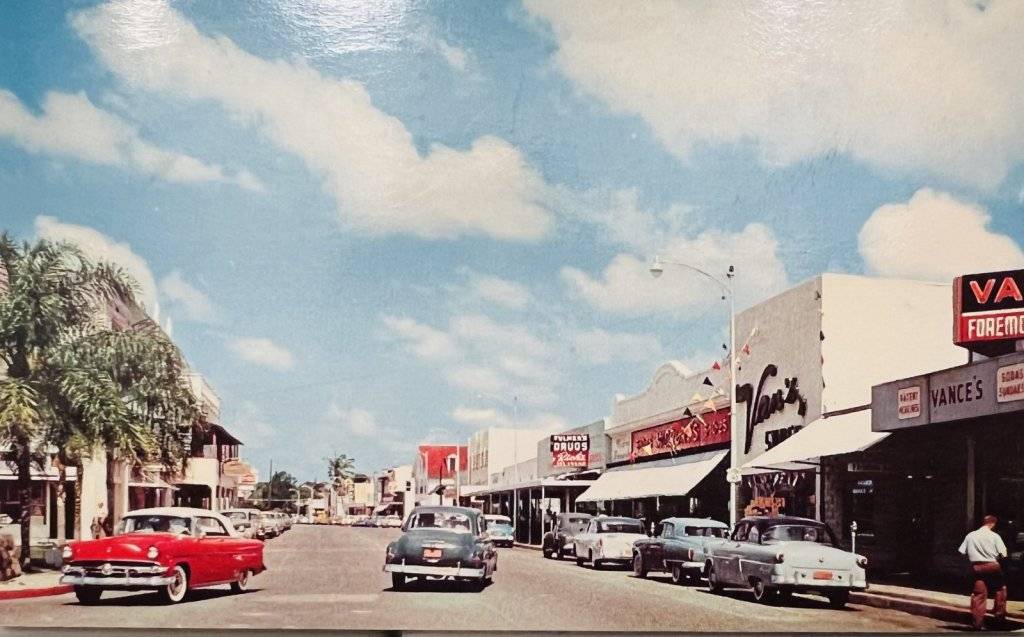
(437, 472)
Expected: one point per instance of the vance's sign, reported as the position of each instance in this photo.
(988, 311)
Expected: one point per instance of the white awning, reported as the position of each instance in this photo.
(834, 435)
(648, 482)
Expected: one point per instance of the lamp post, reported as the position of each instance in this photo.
(735, 436)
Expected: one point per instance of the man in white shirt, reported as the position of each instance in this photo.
(984, 548)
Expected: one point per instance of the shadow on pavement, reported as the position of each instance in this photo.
(153, 599)
(794, 601)
(440, 586)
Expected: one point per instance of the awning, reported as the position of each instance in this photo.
(647, 482)
(829, 436)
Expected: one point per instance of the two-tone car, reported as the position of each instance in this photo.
(170, 550)
(440, 542)
(777, 556)
(679, 546)
(499, 529)
(608, 540)
(558, 542)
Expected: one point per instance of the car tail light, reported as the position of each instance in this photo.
(862, 561)
(600, 543)
(67, 552)
(779, 558)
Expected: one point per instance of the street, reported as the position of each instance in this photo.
(328, 577)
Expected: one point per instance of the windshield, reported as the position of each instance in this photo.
(459, 522)
(706, 531)
(501, 526)
(237, 516)
(498, 519)
(797, 533)
(620, 526)
(154, 524)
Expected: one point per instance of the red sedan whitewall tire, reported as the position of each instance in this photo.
(242, 583)
(178, 588)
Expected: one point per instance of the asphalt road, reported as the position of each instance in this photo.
(322, 577)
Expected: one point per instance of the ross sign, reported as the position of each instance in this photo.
(570, 450)
(761, 406)
(711, 428)
(1010, 383)
(988, 311)
(249, 478)
(909, 402)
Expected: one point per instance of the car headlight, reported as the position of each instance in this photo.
(862, 561)
(67, 552)
(780, 558)
(152, 552)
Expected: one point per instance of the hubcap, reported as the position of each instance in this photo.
(176, 588)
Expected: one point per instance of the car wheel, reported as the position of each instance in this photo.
(784, 596)
(88, 594)
(546, 552)
(762, 594)
(838, 599)
(177, 589)
(397, 581)
(594, 562)
(678, 575)
(241, 584)
(714, 585)
(560, 553)
(580, 561)
(639, 570)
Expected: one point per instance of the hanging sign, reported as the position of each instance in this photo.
(711, 428)
(988, 311)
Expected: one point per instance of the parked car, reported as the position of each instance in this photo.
(171, 550)
(286, 520)
(608, 539)
(559, 540)
(442, 542)
(499, 529)
(302, 520)
(365, 522)
(391, 522)
(249, 523)
(778, 556)
(679, 546)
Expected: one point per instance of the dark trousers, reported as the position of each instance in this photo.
(988, 579)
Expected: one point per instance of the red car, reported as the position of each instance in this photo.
(170, 550)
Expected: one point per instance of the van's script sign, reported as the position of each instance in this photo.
(761, 406)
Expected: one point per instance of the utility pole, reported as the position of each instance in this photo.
(270, 484)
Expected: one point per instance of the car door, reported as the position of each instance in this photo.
(215, 551)
(727, 557)
(656, 547)
(584, 541)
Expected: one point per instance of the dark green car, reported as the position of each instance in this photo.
(442, 542)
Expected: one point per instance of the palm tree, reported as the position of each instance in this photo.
(278, 489)
(72, 383)
(340, 469)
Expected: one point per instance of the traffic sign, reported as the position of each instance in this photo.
(733, 475)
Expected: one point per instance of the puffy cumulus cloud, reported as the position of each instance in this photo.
(920, 85)
(503, 292)
(627, 287)
(72, 126)
(367, 158)
(934, 237)
(193, 302)
(423, 341)
(488, 336)
(358, 422)
(263, 352)
(598, 346)
(100, 247)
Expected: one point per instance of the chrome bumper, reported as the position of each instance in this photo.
(156, 581)
(445, 571)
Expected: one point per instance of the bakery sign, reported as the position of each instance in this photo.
(988, 311)
(570, 450)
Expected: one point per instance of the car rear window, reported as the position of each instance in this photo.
(620, 526)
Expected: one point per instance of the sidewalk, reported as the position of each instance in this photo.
(952, 607)
(36, 584)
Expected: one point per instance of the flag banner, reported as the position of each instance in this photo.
(707, 381)
(693, 432)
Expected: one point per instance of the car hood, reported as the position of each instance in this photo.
(416, 539)
(815, 555)
(131, 546)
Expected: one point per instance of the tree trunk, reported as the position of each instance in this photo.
(61, 512)
(25, 496)
(78, 502)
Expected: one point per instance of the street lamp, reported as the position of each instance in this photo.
(657, 268)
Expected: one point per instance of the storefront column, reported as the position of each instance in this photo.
(817, 495)
(969, 521)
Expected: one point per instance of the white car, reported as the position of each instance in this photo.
(608, 539)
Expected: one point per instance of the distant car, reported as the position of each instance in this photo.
(442, 542)
(679, 546)
(391, 521)
(778, 556)
(559, 540)
(365, 522)
(302, 520)
(608, 539)
(499, 529)
(171, 550)
(286, 520)
(249, 523)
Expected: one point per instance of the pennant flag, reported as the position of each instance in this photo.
(710, 404)
(696, 398)
(753, 332)
(688, 413)
(725, 347)
(746, 349)
(697, 416)
(821, 335)
(707, 381)
(716, 366)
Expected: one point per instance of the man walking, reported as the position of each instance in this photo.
(984, 548)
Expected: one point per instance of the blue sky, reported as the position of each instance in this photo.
(373, 224)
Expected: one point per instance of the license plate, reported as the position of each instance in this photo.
(822, 574)
(432, 553)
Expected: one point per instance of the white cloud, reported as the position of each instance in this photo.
(600, 346)
(358, 422)
(263, 352)
(627, 287)
(100, 247)
(72, 126)
(489, 336)
(194, 303)
(456, 57)
(477, 378)
(252, 428)
(484, 417)
(500, 291)
(478, 417)
(367, 159)
(934, 237)
(423, 341)
(925, 85)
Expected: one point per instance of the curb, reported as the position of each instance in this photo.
(532, 547)
(920, 607)
(36, 592)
